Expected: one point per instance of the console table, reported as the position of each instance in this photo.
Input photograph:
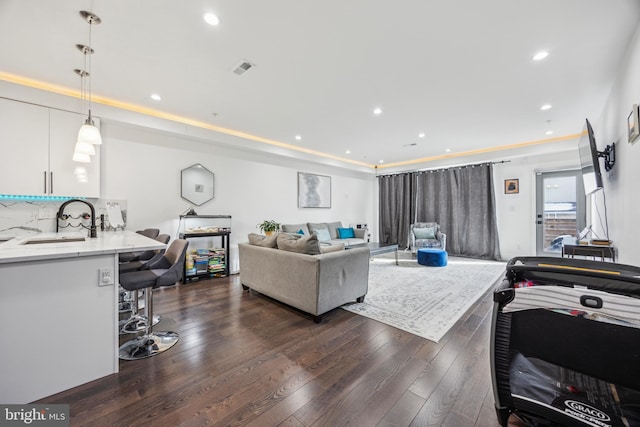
(602, 251)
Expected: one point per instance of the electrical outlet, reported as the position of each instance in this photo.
(105, 276)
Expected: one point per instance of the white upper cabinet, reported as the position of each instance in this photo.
(37, 149)
(66, 177)
(24, 137)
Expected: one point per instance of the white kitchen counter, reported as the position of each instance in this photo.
(58, 314)
(108, 242)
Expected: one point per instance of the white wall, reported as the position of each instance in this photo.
(143, 167)
(621, 183)
(517, 212)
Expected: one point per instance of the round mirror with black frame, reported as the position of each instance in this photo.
(196, 184)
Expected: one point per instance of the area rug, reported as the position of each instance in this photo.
(425, 301)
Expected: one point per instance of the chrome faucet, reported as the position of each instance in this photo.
(92, 230)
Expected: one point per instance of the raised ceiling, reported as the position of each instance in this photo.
(460, 71)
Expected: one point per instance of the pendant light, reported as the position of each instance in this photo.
(88, 133)
(83, 149)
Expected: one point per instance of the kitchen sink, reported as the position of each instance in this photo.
(42, 240)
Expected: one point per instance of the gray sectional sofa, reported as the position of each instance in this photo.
(293, 269)
(333, 229)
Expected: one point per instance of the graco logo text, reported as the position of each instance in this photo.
(34, 415)
(588, 413)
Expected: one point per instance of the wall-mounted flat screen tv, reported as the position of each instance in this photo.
(589, 163)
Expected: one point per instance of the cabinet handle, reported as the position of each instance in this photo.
(51, 182)
(45, 182)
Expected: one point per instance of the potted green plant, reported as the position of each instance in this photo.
(269, 227)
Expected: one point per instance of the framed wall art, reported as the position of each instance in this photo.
(632, 124)
(314, 191)
(511, 186)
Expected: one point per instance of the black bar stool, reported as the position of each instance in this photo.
(165, 271)
(137, 322)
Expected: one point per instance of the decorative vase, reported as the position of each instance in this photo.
(269, 233)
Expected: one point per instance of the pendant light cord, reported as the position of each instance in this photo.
(83, 81)
(90, 51)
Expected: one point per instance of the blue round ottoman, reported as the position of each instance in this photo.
(432, 257)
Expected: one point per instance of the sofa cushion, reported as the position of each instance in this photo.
(294, 228)
(315, 226)
(260, 240)
(425, 233)
(347, 242)
(346, 233)
(428, 243)
(325, 249)
(293, 242)
(333, 229)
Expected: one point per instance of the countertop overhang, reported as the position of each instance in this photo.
(109, 242)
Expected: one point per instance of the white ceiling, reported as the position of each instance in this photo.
(461, 71)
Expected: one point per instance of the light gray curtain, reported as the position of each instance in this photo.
(462, 201)
(397, 208)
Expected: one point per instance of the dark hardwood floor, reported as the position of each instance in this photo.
(245, 360)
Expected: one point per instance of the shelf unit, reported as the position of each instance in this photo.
(205, 259)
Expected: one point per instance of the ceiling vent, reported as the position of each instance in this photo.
(243, 67)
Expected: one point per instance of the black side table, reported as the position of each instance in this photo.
(602, 251)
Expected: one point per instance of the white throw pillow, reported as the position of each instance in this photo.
(425, 233)
(323, 234)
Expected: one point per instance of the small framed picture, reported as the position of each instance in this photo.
(632, 124)
(511, 186)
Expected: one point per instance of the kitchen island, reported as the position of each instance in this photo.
(58, 310)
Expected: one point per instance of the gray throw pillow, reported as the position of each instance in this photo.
(425, 233)
(297, 243)
(260, 240)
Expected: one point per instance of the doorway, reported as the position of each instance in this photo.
(560, 210)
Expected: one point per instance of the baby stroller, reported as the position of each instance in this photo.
(565, 343)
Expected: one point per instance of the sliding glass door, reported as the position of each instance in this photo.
(560, 210)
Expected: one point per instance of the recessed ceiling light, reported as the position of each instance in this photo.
(211, 19)
(377, 111)
(156, 97)
(348, 151)
(381, 161)
(298, 137)
(549, 132)
(421, 135)
(448, 150)
(545, 107)
(540, 55)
